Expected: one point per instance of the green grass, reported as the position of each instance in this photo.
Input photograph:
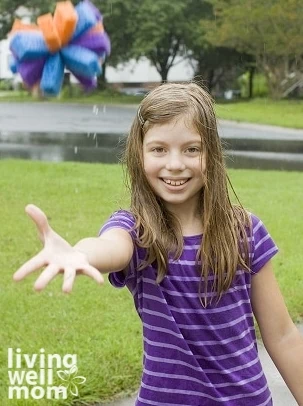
(284, 113)
(106, 96)
(99, 324)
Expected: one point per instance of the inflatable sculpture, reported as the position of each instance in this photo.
(73, 39)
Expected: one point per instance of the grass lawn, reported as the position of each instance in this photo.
(104, 97)
(99, 324)
(283, 113)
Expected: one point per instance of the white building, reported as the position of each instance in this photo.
(144, 72)
(5, 72)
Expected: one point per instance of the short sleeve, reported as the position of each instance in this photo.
(125, 220)
(263, 246)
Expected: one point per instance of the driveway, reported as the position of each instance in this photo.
(99, 118)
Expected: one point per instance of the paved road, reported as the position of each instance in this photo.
(67, 118)
(77, 118)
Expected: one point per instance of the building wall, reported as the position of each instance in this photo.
(5, 72)
(24, 15)
(144, 72)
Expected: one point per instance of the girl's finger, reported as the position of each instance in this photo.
(39, 217)
(69, 277)
(46, 276)
(92, 272)
(35, 263)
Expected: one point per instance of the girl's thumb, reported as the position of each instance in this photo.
(39, 218)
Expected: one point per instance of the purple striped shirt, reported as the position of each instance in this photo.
(195, 356)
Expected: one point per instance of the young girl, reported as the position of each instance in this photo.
(198, 266)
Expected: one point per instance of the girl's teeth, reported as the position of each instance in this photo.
(175, 183)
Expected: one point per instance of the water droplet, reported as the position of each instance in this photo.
(76, 150)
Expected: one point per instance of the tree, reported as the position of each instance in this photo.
(218, 66)
(7, 15)
(9, 11)
(215, 65)
(159, 33)
(269, 31)
(118, 17)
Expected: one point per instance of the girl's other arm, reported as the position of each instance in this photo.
(281, 337)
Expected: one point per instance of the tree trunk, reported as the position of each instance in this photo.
(164, 74)
(251, 71)
(101, 80)
(210, 79)
(67, 83)
(274, 71)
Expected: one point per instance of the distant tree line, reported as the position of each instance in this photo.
(221, 39)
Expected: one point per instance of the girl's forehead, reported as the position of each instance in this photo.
(173, 131)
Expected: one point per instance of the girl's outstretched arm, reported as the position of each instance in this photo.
(91, 256)
(281, 337)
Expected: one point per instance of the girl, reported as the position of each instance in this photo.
(198, 266)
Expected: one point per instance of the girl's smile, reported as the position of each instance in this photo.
(175, 185)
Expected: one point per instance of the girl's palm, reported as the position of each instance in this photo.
(57, 256)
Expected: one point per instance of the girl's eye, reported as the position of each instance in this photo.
(158, 150)
(193, 150)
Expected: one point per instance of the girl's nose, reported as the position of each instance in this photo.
(175, 163)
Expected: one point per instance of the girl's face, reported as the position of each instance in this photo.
(174, 164)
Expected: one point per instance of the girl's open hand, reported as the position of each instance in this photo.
(57, 256)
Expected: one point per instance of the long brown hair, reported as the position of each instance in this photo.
(224, 246)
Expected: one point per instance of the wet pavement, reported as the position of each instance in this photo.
(81, 118)
(65, 118)
(280, 393)
(93, 133)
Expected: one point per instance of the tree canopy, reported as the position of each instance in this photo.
(270, 31)
(159, 33)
